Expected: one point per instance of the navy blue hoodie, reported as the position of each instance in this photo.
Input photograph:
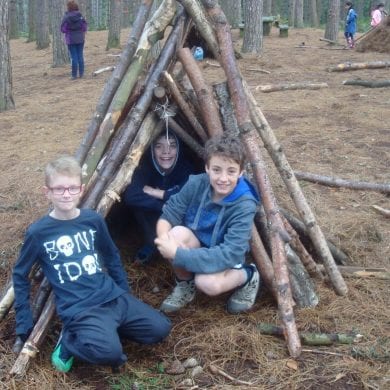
(149, 173)
(72, 254)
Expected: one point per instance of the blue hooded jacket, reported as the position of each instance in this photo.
(223, 228)
(149, 173)
(350, 23)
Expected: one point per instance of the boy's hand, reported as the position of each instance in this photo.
(154, 192)
(167, 246)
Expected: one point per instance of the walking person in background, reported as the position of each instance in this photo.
(350, 24)
(74, 26)
(377, 15)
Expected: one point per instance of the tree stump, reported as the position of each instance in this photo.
(283, 31)
(267, 24)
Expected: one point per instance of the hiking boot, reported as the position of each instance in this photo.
(244, 297)
(183, 293)
(59, 362)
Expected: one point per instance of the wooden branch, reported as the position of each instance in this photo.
(276, 152)
(359, 65)
(337, 182)
(251, 143)
(154, 31)
(368, 83)
(259, 70)
(309, 338)
(101, 70)
(329, 41)
(350, 271)
(294, 86)
(30, 348)
(185, 108)
(209, 110)
(7, 299)
(115, 79)
(381, 210)
(40, 299)
(216, 370)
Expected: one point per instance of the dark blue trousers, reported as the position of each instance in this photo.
(94, 335)
(76, 51)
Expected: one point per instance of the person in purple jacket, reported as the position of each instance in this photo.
(74, 26)
(161, 173)
(82, 264)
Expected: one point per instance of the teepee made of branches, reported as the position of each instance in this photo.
(144, 94)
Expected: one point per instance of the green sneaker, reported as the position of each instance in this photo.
(58, 363)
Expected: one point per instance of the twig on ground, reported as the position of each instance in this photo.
(217, 370)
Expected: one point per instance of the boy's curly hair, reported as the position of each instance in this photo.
(72, 6)
(225, 145)
(63, 165)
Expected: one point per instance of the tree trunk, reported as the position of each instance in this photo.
(291, 12)
(6, 98)
(298, 14)
(313, 13)
(60, 50)
(253, 30)
(32, 31)
(359, 65)
(267, 8)
(333, 19)
(13, 20)
(114, 24)
(232, 10)
(42, 23)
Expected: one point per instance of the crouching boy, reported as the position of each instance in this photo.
(77, 255)
(204, 231)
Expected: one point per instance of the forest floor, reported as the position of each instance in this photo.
(339, 131)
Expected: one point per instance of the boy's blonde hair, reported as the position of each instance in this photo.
(63, 165)
(225, 145)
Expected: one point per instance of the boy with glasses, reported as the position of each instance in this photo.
(77, 255)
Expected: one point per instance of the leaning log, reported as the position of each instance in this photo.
(7, 299)
(154, 31)
(276, 152)
(291, 87)
(309, 338)
(368, 83)
(251, 144)
(31, 346)
(359, 65)
(349, 271)
(115, 79)
(337, 182)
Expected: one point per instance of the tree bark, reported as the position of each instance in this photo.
(275, 150)
(253, 30)
(114, 24)
(232, 10)
(42, 25)
(333, 20)
(368, 83)
(6, 98)
(337, 182)
(293, 86)
(208, 107)
(31, 21)
(359, 65)
(112, 85)
(60, 50)
(251, 143)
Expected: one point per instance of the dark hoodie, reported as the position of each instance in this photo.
(74, 27)
(149, 173)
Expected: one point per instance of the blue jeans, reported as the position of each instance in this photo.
(76, 51)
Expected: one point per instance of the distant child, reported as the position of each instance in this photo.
(74, 26)
(350, 24)
(204, 231)
(377, 15)
(77, 255)
(161, 173)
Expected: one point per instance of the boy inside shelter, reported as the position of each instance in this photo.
(78, 257)
(162, 172)
(204, 230)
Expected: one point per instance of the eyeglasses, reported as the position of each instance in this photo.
(73, 190)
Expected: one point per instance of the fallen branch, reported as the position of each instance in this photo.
(330, 41)
(259, 70)
(368, 83)
(310, 338)
(359, 65)
(337, 182)
(321, 352)
(294, 86)
(349, 271)
(208, 63)
(217, 370)
(101, 70)
(381, 210)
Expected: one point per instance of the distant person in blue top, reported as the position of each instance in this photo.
(74, 26)
(161, 173)
(78, 257)
(350, 24)
(204, 231)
